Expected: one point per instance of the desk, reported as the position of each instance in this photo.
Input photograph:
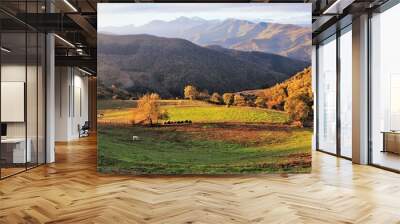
(391, 141)
(15, 148)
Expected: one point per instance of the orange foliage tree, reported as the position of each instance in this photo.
(191, 92)
(294, 96)
(148, 109)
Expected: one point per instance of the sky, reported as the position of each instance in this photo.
(137, 14)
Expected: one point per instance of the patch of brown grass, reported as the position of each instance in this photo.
(244, 134)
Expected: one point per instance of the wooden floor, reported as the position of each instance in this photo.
(387, 159)
(70, 191)
(5, 172)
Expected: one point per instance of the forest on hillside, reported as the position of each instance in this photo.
(134, 65)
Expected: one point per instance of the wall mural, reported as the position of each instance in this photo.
(193, 88)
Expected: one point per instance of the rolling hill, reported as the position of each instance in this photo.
(283, 39)
(142, 63)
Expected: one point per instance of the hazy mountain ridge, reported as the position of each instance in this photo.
(283, 39)
(142, 63)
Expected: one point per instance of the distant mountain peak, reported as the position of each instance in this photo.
(182, 18)
(233, 20)
(283, 39)
(154, 22)
(198, 18)
(187, 19)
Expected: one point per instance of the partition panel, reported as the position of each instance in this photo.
(22, 76)
(14, 153)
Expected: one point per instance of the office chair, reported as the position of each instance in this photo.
(84, 130)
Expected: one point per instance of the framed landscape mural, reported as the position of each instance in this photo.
(191, 88)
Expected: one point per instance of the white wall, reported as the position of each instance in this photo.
(33, 126)
(12, 73)
(80, 112)
(62, 81)
(71, 103)
(16, 73)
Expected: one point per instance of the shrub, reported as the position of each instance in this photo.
(297, 108)
(163, 115)
(216, 98)
(191, 92)
(260, 102)
(204, 95)
(228, 98)
(239, 100)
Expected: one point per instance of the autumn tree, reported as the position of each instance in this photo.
(228, 98)
(216, 98)
(239, 100)
(148, 109)
(260, 102)
(276, 96)
(294, 96)
(297, 108)
(191, 92)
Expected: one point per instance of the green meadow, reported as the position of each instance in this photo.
(166, 151)
(220, 140)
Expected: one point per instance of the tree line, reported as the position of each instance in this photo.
(293, 96)
(229, 99)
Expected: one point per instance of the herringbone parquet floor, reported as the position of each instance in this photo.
(70, 191)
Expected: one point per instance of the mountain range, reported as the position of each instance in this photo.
(137, 64)
(282, 39)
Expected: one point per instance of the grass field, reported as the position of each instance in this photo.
(197, 111)
(210, 114)
(221, 140)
